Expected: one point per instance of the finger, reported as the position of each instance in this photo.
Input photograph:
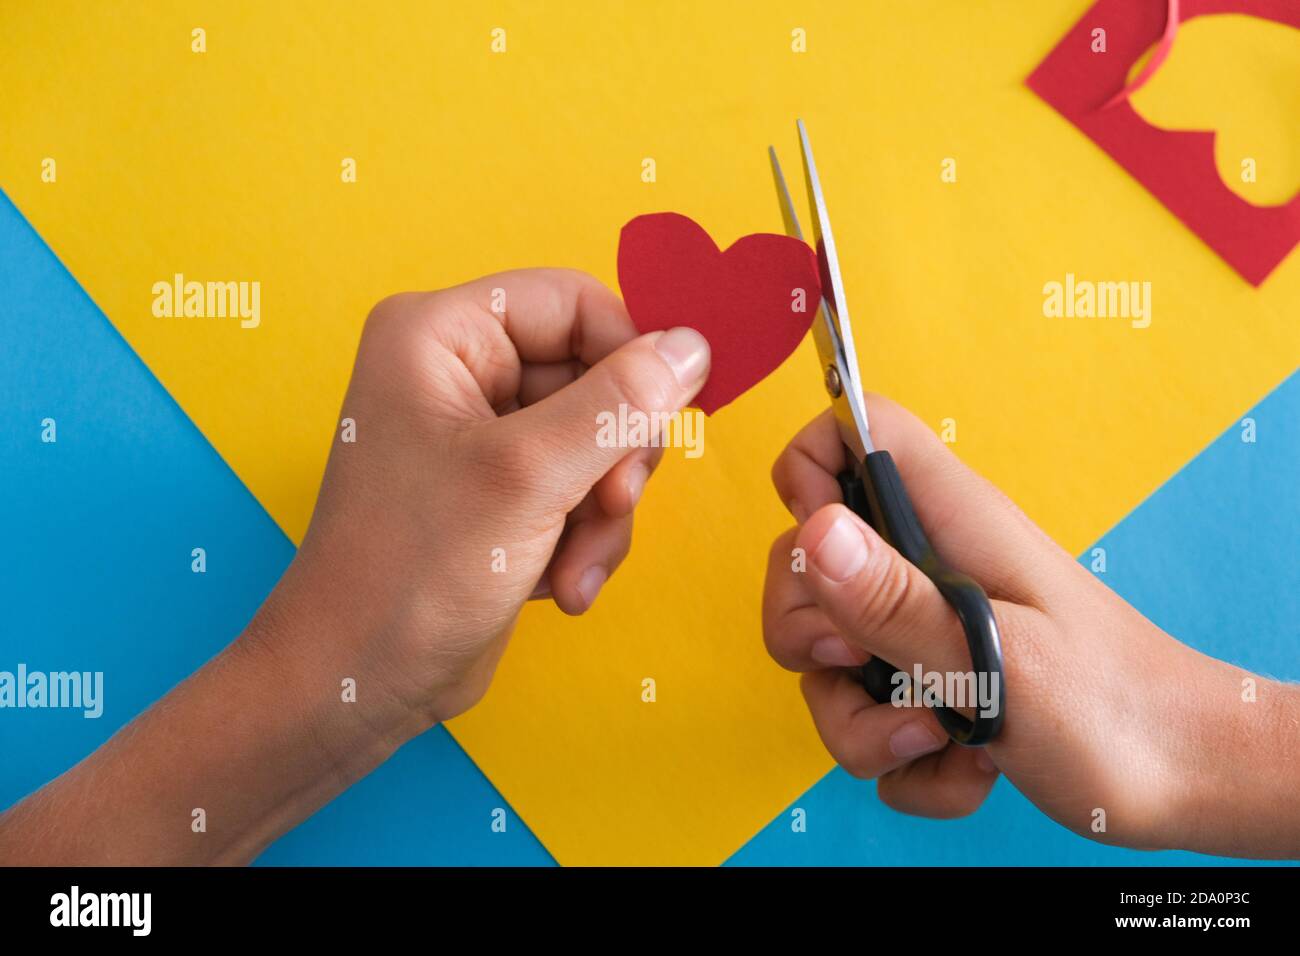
(550, 315)
(950, 783)
(619, 491)
(804, 473)
(880, 602)
(866, 738)
(796, 631)
(562, 445)
(488, 330)
(540, 379)
(972, 524)
(593, 547)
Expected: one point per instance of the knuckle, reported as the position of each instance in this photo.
(388, 326)
(622, 545)
(901, 790)
(778, 638)
(393, 307)
(780, 552)
(780, 473)
(386, 307)
(776, 621)
(890, 595)
(957, 802)
(576, 279)
(772, 615)
(548, 299)
(894, 794)
(964, 805)
(637, 384)
(855, 764)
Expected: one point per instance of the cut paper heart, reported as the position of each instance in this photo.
(1177, 166)
(753, 302)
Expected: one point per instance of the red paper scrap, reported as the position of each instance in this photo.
(1177, 166)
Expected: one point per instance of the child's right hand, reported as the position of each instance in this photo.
(1113, 728)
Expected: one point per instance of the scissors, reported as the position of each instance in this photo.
(873, 489)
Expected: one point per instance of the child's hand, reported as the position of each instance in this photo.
(1112, 727)
(475, 480)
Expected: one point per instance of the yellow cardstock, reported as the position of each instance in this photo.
(957, 197)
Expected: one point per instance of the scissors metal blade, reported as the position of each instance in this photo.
(783, 195)
(833, 337)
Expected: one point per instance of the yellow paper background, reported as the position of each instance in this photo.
(225, 165)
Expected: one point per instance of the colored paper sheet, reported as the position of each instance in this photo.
(1235, 599)
(100, 526)
(228, 165)
(1084, 78)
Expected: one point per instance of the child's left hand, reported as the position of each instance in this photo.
(475, 480)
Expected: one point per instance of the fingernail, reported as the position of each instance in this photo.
(913, 739)
(636, 479)
(985, 762)
(686, 352)
(833, 652)
(590, 583)
(842, 551)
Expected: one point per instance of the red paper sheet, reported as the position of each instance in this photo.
(1177, 166)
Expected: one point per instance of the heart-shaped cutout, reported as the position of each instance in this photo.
(1086, 80)
(1236, 75)
(753, 302)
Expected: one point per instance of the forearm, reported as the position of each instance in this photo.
(1242, 784)
(257, 740)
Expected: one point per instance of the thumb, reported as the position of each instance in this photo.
(879, 601)
(653, 375)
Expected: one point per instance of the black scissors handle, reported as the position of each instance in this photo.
(874, 492)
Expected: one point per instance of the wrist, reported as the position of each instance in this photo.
(251, 744)
(419, 651)
(346, 703)
(1235, 791)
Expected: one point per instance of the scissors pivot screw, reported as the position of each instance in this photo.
(833, 384)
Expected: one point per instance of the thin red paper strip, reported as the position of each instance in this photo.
(1158, 56)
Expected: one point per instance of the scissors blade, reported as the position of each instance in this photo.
(835, 343)
(783, 195)
(826, 335)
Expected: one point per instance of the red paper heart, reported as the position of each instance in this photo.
(745, 301)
